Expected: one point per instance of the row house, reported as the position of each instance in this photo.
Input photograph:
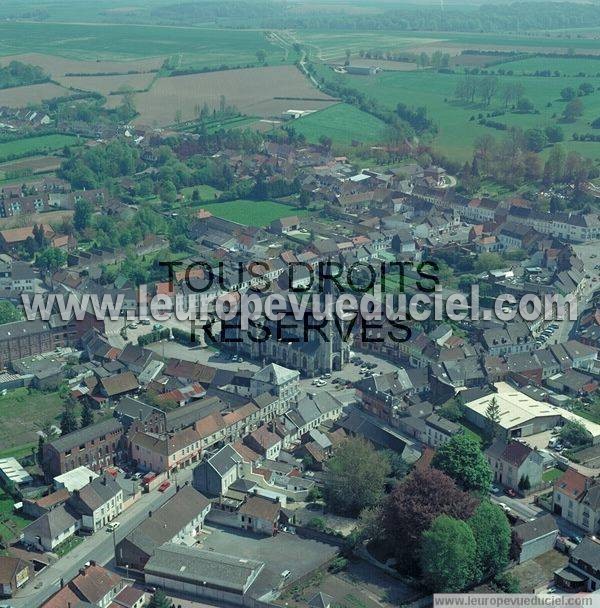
(576, 497)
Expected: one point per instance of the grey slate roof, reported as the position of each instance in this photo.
(587, 551)
(530, 530)
(52, 523)
(86, 434)
(224, 460)
(215, 569)
(95, 494)
(168, 520)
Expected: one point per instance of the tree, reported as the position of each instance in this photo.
(87, 416)
(576, 434)
(8, 312)
(524, 483)
(355, 478)
(492, 534)
(535, 140)
(448, 555)
(554, 168)
(412, 506)
(399, 467)
(507, 583)
(573, 110)
(50, 259)
(554, 134)
(492, 413)
(586, 88)
(487, 88)
(261, 55)
(82, 215)
(462, 459)
(348, 55)
(516, 545)
(568, 93)
(168, 192)
(160, 600)
(68, 422)
(525, 105)
(488, 261)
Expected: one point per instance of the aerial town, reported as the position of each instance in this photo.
(160, 448)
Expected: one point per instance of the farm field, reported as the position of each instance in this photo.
(59, 66)
(253, 213)
(33, 164)
(253, 91)
(198, 46)
(457, 131)
(20, 97)
(17, 221)
(105, 85)
(343, 123)
(30, 145)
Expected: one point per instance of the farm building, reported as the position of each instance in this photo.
(358, 70)
(521, 415)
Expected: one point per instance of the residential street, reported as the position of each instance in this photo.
(98, 547)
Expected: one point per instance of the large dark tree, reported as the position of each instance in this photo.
(413, 505)
(355, 478)
(461, 458)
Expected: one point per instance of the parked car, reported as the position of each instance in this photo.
(575, 538)
(510, 492)
(112, 526)
(165, 485)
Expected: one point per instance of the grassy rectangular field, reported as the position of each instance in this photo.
(253, 91)
(59, 66)
(253, 213)
(343, 123)
(457, 121)
(30, 145)
(586, 67)
(32, 164)
(20, 97)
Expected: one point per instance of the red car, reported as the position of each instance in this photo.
(165, 485)
(510, 492)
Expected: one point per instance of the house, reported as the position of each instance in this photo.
(74, 479)
(51, 529)
(285, 224)
(582, 573)
(440, 430)
(38, 507)
(259, 514)
(215, 474)
(576, 497)
(264, 442)
(515, 464)
(276, 380)
(14, 574)
(93, 586)
(96, 446)
(177, 521)
(165, 452)
(99, 502)
(537, 537)
(321, 600)
(118, 385)
(129, 597)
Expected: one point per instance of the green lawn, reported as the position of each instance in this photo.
(567, 66)
(207, 193)
(35, 145)
(343, 124)
(551, 474)
(10, 522)
(23, 414)
(457, 131)
(253, 213)
(68, 545)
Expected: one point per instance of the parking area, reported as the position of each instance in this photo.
(279, 553)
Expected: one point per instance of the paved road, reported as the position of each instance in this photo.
(98, 547)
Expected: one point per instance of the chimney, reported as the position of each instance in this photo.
(149, 513)
(82, 571)
(91, 479)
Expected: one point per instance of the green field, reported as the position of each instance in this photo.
(253, 213)
(566, 66)
(23, 413)
(343, 123)
(457, 131)
(193, 46)
(35, 145)
(551, 474)
(10, 523)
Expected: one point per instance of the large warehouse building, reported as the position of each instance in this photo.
(521, 415)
